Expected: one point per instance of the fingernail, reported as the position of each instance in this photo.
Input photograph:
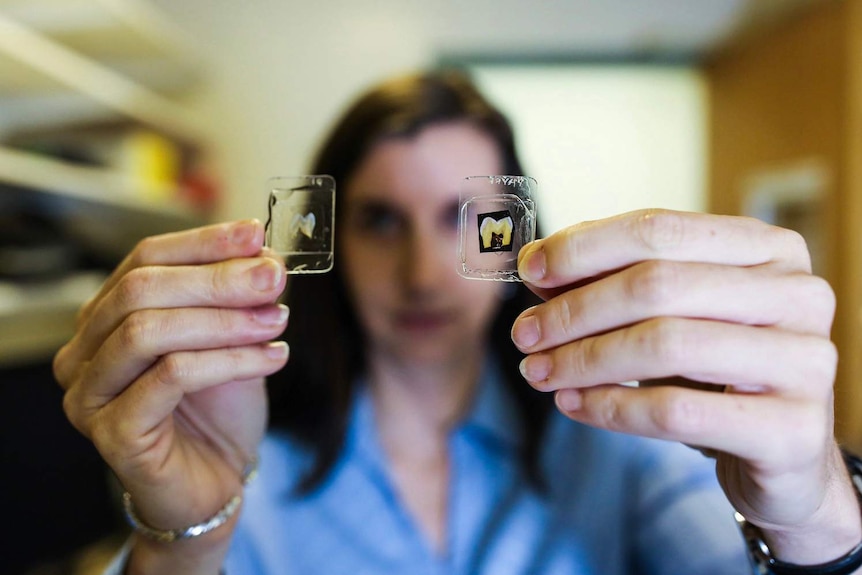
(569, 399)
(533, 267)
(536, 367)
(265, 276)
(243, 232)
(271, 315)
(525, 332)
(276, 349)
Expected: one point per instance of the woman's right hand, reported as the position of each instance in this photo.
(165, 373)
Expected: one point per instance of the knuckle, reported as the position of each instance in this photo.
(678, 416)
(822, 291)
(796, 242)
(226, 320)
(582, 361)
(610, 415)
(233, 360)
(222, 280)
(69, 404)
(132, 288)
(118, 437)
(794, 248)
(567, 315)
(820, 295)
(82, 316)
(144, 252)
(565, 250)
(105, 436)
(662, 339)
(73, 412)
(173, 369)
(135, 331)
(653, 283)
(236, 356)
(60, 367)
(823, 362)
(659, 230)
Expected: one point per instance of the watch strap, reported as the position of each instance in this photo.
(764, 563)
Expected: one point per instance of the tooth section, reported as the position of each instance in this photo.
(490, 226)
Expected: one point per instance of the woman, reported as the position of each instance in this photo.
(403, 438)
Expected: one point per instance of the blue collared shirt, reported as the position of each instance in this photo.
(613, 504)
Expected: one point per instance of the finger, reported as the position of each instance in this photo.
(595, 248)
(129, 418)
(759, 295)
(744, 357)
(246, 282)
(726, 422)
(147, 335)
(190, 247)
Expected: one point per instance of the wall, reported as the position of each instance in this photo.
(781, 100)
(602, 140)
(280, 71)
(850, 222)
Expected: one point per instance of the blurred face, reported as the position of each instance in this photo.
(398, 246)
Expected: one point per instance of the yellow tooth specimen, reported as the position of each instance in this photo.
(496, 233)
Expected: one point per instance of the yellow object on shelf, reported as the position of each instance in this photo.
(153, 160)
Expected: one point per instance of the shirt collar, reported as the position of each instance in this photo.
(494, 413)
(362, 436)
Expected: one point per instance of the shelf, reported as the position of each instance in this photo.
(69, 67)
(37, 64)
(115, 18)
(105, 210)
(110, 188)
(116, 32)
(60, 67)
(37, 319)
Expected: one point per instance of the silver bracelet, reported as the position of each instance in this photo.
(170, 535)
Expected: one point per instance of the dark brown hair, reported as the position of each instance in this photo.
(310, 397)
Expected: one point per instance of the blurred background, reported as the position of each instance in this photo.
(125, 118)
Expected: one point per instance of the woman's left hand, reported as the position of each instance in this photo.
(724, 320)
